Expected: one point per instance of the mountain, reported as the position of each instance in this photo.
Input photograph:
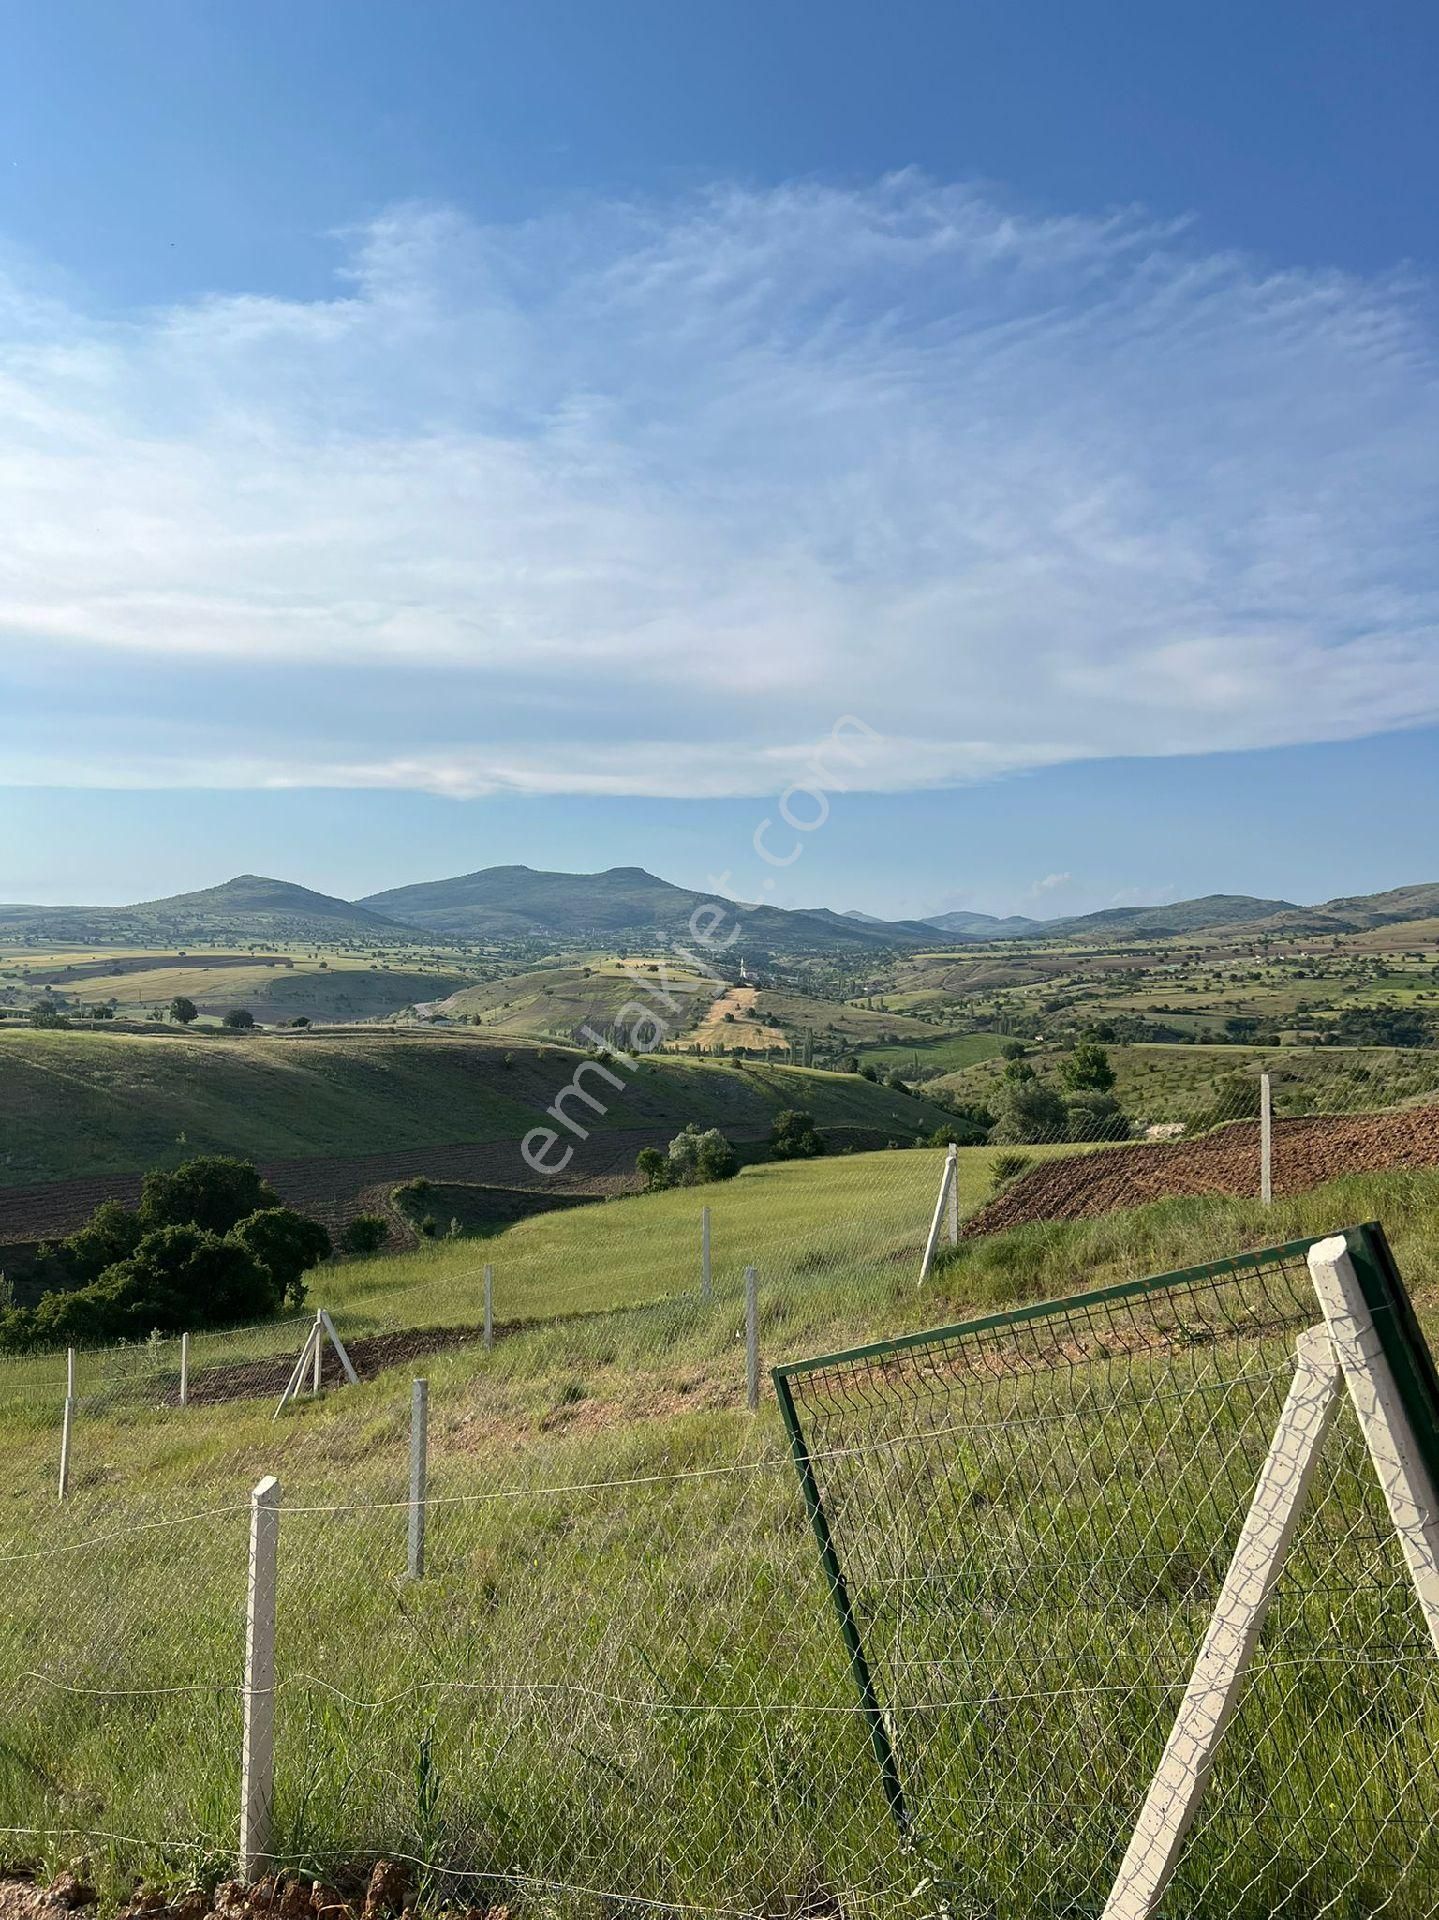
(985, 926)
(247, 908)
(512, 903)
(1179, 916)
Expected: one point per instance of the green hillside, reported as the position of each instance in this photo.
(74, 1103)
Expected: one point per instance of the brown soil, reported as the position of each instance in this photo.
(1306, 1153)
(370, 1354)
(381, 1893)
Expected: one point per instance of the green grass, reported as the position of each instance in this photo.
(74, 1103)
(634, 1687)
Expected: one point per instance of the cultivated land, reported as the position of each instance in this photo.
(678, 1727)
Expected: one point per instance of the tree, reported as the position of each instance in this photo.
(654, 1166)
(210, 1191)
(794, 1136)
(1087, 1069)
(1093, 1115)
(1027, 1111)
(111, 1233)
(287, 1244)
(694, 1159)
(239, 1020)
(177, 1277)
(366, 1233)
(45, 1014)
(183, 1011)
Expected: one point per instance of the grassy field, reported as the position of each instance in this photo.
(621, 1671)
(78, 1103)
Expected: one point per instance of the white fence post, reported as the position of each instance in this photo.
(945, 1203)
(68, 1422)
(1378, 1404)
(952, 1171)
(706, 1274)
(257, 1765)
(317, 1377)
(751, 1337)
(184, 1369)
(1266, 1141)
(489, 1308)
(419, 1461)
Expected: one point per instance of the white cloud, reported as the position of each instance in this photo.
(640, 499)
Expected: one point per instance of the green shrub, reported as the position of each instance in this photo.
(287, 1245)
(794, 1136)
(366, 1233)
(210, 1191)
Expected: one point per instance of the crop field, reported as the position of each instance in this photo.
(274, 985)
(620, 1672)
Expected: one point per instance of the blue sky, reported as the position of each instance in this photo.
(439, 436)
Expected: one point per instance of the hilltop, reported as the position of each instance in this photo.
(518, 902)
(249, 907)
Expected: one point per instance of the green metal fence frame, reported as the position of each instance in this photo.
(1404, 1346)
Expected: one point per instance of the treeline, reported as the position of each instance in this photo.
(208, 1245)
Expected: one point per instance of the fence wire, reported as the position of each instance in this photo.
(1033, 1521)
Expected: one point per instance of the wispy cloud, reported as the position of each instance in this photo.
(639, 499)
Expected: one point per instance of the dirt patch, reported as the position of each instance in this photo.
(1306, 1153)
(370, 1354)
(381, 1892)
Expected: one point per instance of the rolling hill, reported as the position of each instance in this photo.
(622, 903)
(249, 907)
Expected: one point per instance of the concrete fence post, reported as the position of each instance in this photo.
(952, 1188)
(706, 1273)
(257, 1762)
(67, 1422)
(489, 1308)
(1266, 1142)
(184, 1369)
(419, 1471)
(751, 1337)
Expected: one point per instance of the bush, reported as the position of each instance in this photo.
(1087, 1070)
(1095, 1116)
(177, 1277)
(1007, 1167)
(239, 1020)
(211, 1191)
(959, 1132)
(45, 1016)
(694, 1159)
(287, 1245)
(366, 1233)
(111, 1233)
(794, 1136)
(410, 1194)
(1028, 1110)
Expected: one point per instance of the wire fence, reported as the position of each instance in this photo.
(619, 1682)
(1034, 1521)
